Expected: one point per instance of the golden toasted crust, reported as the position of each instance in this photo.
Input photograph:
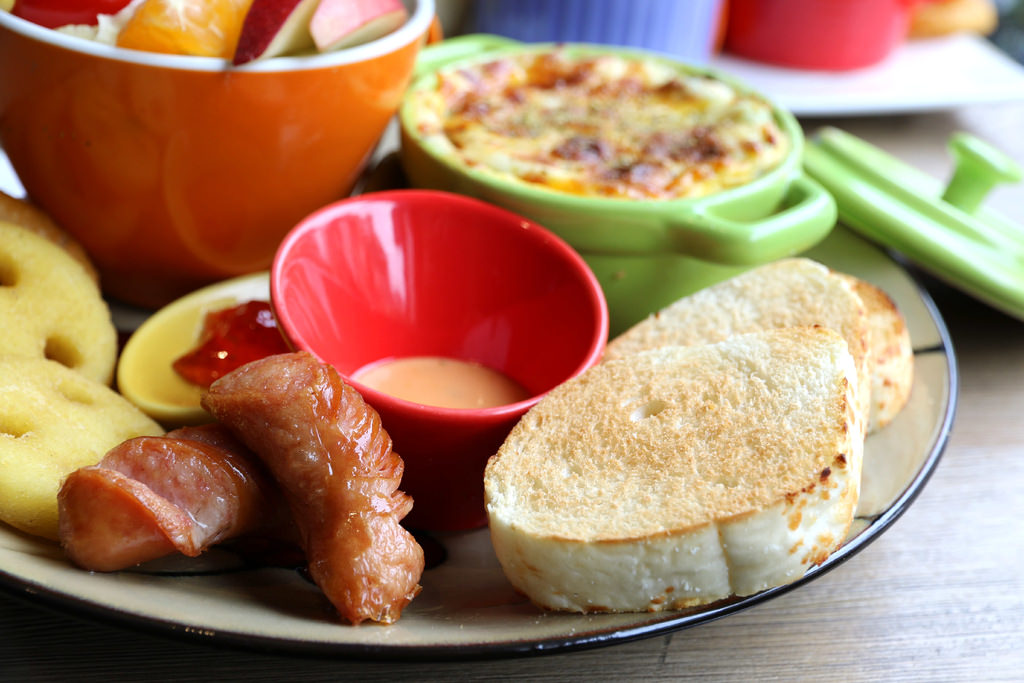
(53, 420)
(27, 215)
(50, 308)
(681, 475)
(671, 439)
(786, 293)
(943, 17)
(890, 355)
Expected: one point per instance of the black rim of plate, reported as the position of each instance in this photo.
(655, 625)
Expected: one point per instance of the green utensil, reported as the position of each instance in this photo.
(945, 230)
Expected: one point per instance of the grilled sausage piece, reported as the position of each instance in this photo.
(331, 456)
(152, 496)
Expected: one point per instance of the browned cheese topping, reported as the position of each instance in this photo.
(601, 125)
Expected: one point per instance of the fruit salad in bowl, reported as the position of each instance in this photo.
(176, 170)
(240, 30)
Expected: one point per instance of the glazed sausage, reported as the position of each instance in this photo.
(152, 496)
(331, 456)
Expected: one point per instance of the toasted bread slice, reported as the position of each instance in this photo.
(890, 354)
(788, 293)
(680, 476)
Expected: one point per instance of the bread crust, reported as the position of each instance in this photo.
(890, 354)
(785, 293)
(681, 475)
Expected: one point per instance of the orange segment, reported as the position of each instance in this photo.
(203, 28)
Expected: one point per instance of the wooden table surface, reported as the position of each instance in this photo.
(938, 597)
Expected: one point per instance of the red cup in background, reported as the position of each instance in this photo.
(828, 35)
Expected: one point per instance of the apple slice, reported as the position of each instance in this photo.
(338, 24)
(275, 27)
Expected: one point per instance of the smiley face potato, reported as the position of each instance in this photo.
(50, 307)
(57, 355)
(53, 421)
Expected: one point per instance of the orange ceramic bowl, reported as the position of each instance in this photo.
(177, 171)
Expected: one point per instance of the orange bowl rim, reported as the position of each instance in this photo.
(415, 27)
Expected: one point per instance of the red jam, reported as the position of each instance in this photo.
(231, 338)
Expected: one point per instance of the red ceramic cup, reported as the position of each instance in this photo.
(424, 273)
(834, 35)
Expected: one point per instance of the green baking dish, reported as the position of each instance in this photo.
(645, 253)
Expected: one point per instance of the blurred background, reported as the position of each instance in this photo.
(695, 29)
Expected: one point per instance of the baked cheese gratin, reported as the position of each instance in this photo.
(600, 125)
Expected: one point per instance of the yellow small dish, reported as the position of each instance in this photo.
(145, 375)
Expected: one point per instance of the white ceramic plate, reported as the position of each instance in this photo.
(920, 75)
(467, 609)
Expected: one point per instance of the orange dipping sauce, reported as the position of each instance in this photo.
(442, 382)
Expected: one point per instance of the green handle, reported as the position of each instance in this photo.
(435, 56)
(807, 216)
(979, 167)
(841, 160)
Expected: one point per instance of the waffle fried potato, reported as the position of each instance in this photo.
(28, 215)
(51, 308)
(53, 421)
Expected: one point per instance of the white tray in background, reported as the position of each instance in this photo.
(920, 75)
